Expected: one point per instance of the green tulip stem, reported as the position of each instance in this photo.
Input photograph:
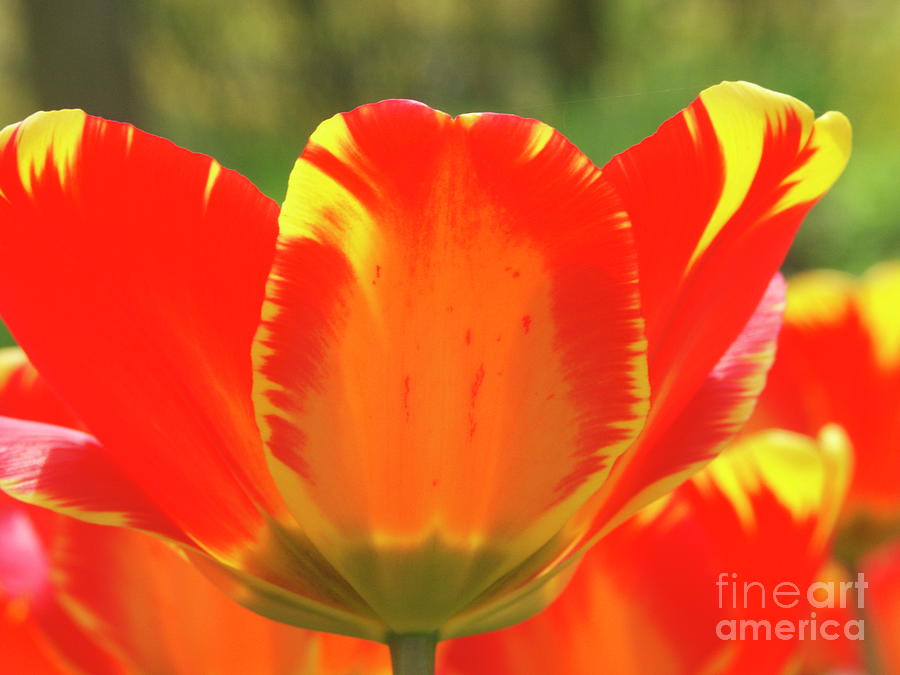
(413, 654)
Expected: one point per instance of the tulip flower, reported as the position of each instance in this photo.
(667, 593)
(401, 407)
(91, 600)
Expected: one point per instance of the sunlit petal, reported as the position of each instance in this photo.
(133, 271)
(452, 353)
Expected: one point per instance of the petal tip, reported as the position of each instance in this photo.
(837, 127)
(42, 138)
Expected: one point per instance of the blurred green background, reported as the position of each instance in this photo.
(248, 81)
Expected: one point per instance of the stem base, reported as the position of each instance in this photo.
(413, 654)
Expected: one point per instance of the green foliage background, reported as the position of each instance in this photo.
(248, 81)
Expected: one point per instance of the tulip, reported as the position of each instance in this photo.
(83, 599)
(402, 407)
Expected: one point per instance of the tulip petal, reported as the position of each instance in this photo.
(451, 351)
(64, 470)
(125, 255)
(715, 197)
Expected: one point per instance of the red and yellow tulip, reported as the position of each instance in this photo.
(406, 403)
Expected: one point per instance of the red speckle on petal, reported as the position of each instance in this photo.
(476, 387)
(406, 396)
(476, 383)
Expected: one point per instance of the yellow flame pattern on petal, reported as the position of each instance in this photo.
(53, 137)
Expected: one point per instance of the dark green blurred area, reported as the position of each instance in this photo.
(247, 82)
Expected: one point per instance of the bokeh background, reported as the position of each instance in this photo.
(247, 82)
